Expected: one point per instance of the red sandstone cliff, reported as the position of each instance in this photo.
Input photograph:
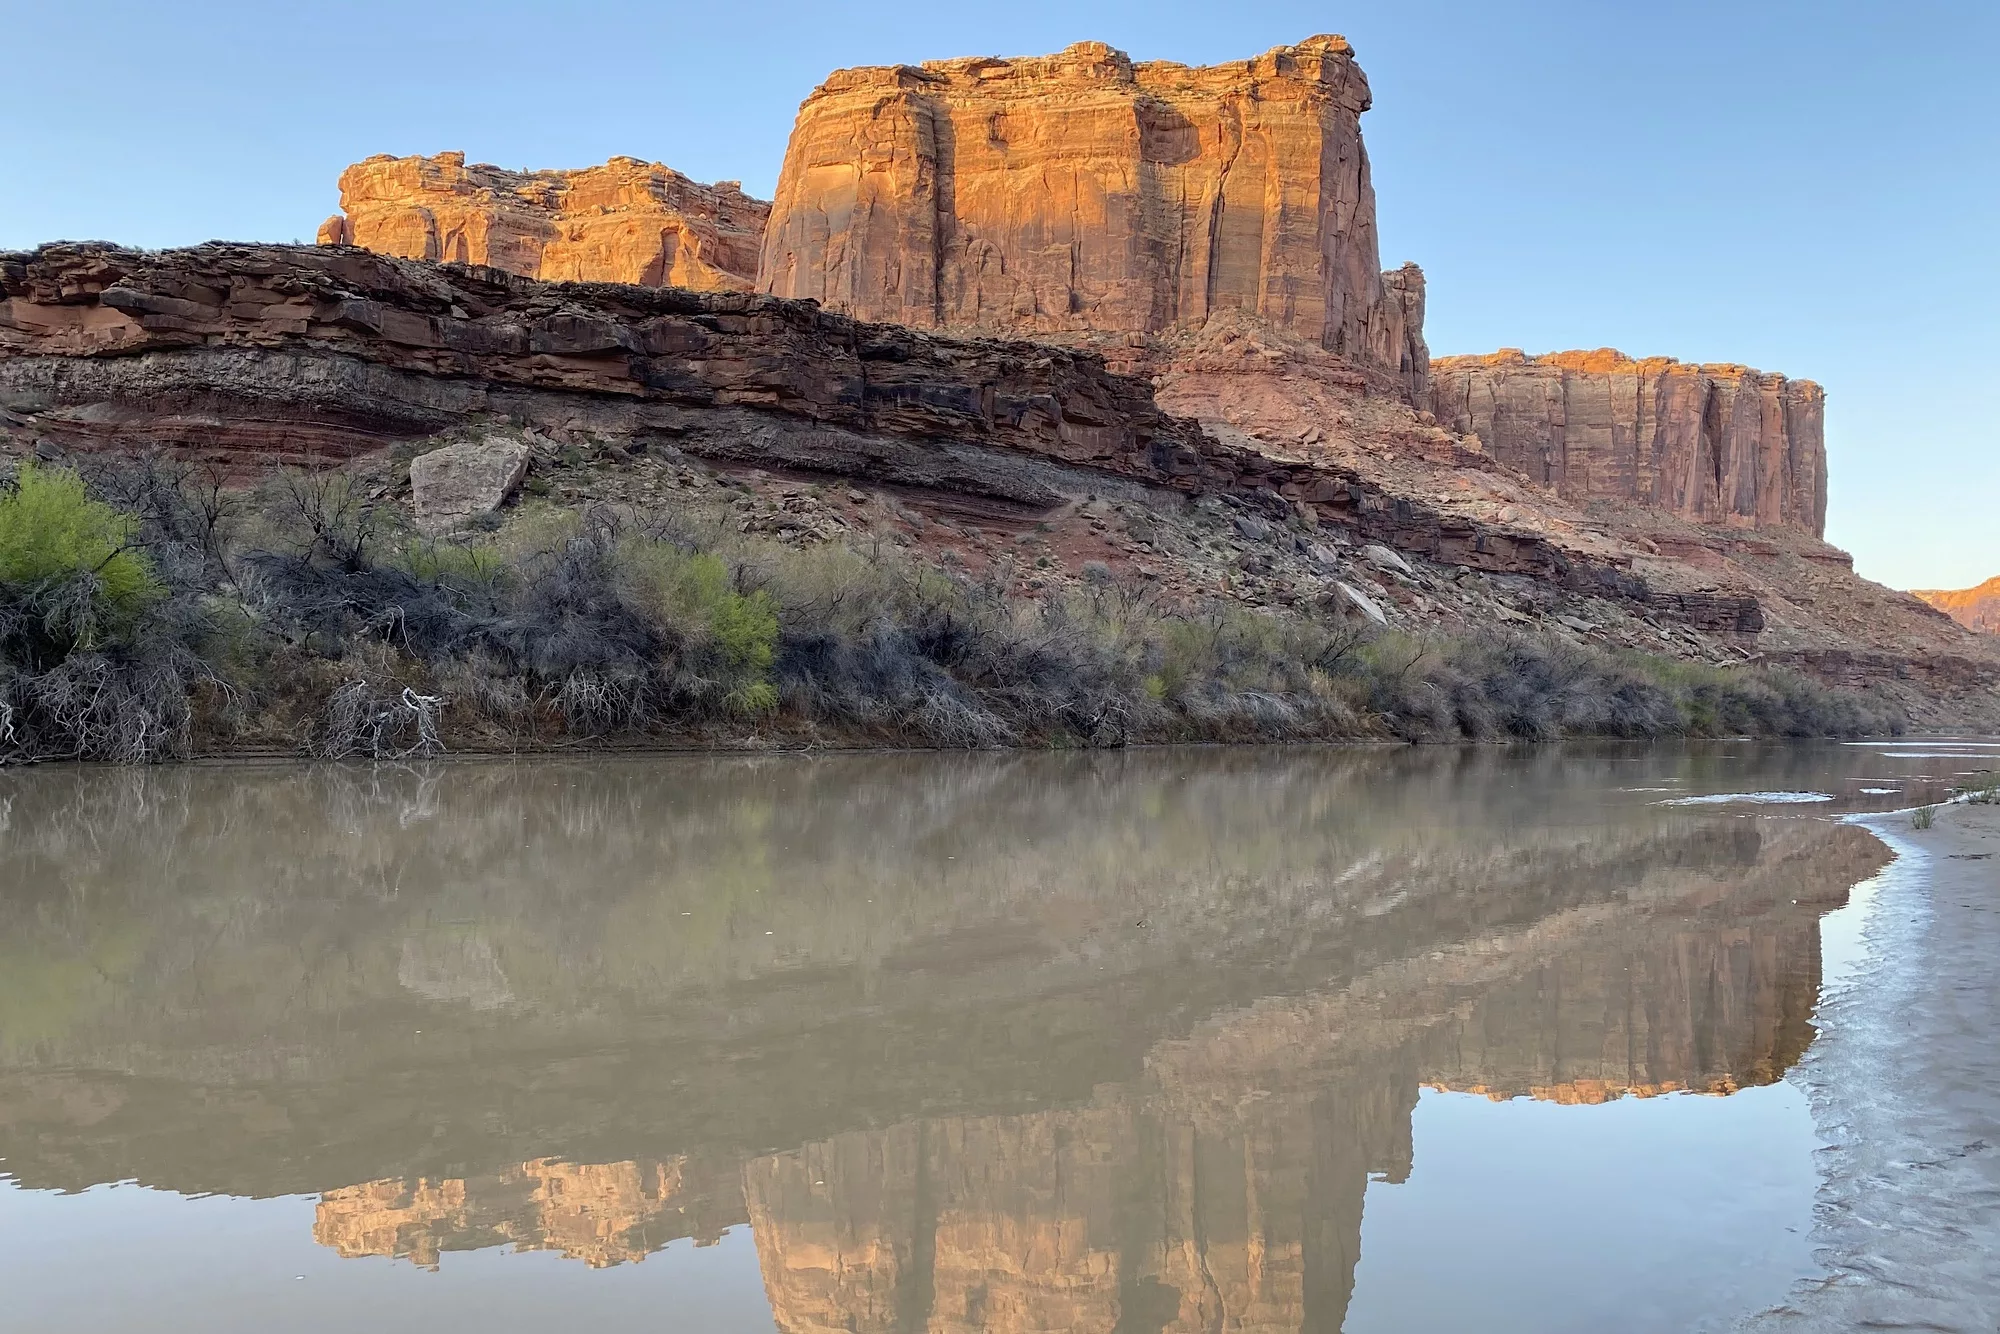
(1081, 192)
(1717, 444)
(624, 222)
(247, 355)
(1975, 608)
(263, 351)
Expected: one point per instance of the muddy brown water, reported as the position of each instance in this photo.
(1207, 1039)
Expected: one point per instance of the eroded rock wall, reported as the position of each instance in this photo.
(265, 352)
(1719, 444)
(1976, 608)
(624, 222)
(1084, 192)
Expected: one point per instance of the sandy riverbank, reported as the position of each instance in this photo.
(1905, 1086)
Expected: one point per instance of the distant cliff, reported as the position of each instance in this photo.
(1716, 444)
(1083, 192)
(624, 222)
(1975, 608)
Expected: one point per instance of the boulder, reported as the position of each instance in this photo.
(456, 484)
(1384, 559)
(1361, 602)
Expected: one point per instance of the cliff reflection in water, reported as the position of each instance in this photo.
(974, 1043)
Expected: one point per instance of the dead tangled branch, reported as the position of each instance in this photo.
(361, 721)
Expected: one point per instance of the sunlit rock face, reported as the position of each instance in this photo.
(1719, 444)
(1084, 192)
(626, 221)
(1976, 608)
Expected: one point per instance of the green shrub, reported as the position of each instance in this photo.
(53, 537)
(694, 595)
(439, 562)
(601, 621)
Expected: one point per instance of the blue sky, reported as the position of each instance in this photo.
(1805, 187)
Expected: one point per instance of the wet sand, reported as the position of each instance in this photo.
(1905, 1087)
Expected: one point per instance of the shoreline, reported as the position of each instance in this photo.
(253, 755)
(1904, 1082)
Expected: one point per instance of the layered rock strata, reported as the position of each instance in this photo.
(624, 222)
(1084, 192)
(1719, 444)
(247, 356)
(264, 352)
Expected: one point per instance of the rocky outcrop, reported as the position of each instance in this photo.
(624, 222)
(275, 351)
(1718, 444)
(1976, 608)
(266, 352)
(1082, 192)
(247, 356)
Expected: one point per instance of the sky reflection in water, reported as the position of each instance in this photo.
(891, 1042)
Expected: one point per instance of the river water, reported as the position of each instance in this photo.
(1183, 1039)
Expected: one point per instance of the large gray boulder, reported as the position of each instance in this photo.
(1384, 559)
(1361, 602)
(452, 486)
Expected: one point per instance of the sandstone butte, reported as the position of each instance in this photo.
(1718, 444)
(624, 222)
(1976, 608)
(1082, 192)
(1211, 228)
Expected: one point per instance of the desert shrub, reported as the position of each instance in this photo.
(314, 612)
(1496, 685)
(722, 631)
(70, 574)
(1225, 672)
(325, 518)
(448, 562)
(97, 656)
(553, 618)
(182, 513)
(932, 658)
